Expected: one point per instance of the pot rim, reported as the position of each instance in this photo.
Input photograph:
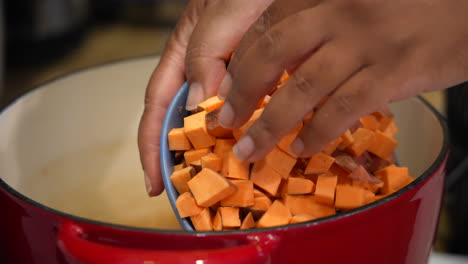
(426, 174)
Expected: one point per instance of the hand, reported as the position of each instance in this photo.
(197, 51)
(362, 53)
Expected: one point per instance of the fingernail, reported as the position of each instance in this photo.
(225, 86)
(297, 147)
(195, 96)
(226, 116)
(148, 184)
(244, 148)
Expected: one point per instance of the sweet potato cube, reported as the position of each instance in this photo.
(179, 166)
(369, 196)
(222, 148)
(369, 122)
(211, 161)
(261, 203)
(236, 168)
(319, 163)
(308, 204)
(230, 217)
(209, 187)
(242, 197)
(383, 146)
(210, 104)
(266, 178)
(258, 193)
(280, 161)
(186, 205)
(202, 221)
(388, 126)
(195, 130)
(214, 128)
(349, 197)
(299, 186)
(195, 154)
(363, 139)
(181, 177)
(287, 140)
(178, 140)
(331, 147)
(346, 140)
(276, 215)
(300, 218)
(394, 178)
(217, 221)
(367, 186)
(239, 132)
(325, 188)
(248, 222)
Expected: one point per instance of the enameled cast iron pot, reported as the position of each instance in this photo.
(90, 213)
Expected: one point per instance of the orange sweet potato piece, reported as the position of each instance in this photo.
(202, 221)
(258, 193)
(346, 140)
(363, 139)
(319, 163)
(308, 204)
(261, 203)
(239, 132)
(280, 161)
(325, 188)
(286, 141)
(212, 161)
(383, 146)
(195, 130)
(210, 104)
(266, 178)
(299, 186)
(178, 166)
(178, 140)
(369, 196)
(248, 222)
(276, 215)
(369, 122)
(230, 217)
(217, 221)
(394, 178)
(209, 187)
(180, 178)
(186, 205)
(349, 197)
(331, 147)
(368, 186)
(236, 168)
(242, 197)
(222, 148)
(388, 126)
(301, 218)
(196, 164)
(214, 128)
(195, 154)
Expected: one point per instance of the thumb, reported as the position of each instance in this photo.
(215, 37)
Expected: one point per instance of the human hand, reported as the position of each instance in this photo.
(204, 39)
(362, 53)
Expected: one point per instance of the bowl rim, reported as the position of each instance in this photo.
(23, 198)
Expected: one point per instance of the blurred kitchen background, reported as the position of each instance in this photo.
(44, 39)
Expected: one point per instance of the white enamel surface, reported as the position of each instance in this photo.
(71, 145)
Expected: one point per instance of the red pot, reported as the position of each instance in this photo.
(102, 105)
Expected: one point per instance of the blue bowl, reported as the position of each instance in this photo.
(174, 118)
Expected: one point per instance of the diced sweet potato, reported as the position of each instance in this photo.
(195, 154)
(276, 215)
(202, 221)
(179, 166)
(331, 147)
(308, 204)
(186, 205)
(229, 217)
(286, 141)
(388, 127)
(266, 178)
(195, 130)
(383, 146)
(363, 139)
(369, 122)
(178, 140)
(325, 188)
(209, 187)
(261, 203)
(248, 222)
(210, 104)
(394, 178)
(217, 221)
(222, 148)
(236, 168)
(196, 164)
(214, 128)
(299, 186)
(242, 197)
(349, 197)
(211, 161)
(368, 186)
(280, 161)
(239, 132)
(346, 140)
(300, 218)
(258, 193)
(180, 178)
(369, 196)
(319, 163)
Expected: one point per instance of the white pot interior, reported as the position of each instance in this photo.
(71, 145)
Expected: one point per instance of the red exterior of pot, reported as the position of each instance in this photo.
(400, 229)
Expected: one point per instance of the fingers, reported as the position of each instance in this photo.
(317, 77)
(163, 85)
(261, 66)
(214, 38)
